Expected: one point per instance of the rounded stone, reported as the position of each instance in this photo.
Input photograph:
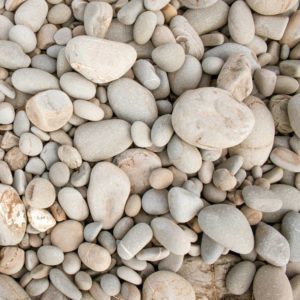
(12, 260)
(50, 255)
(113, 61)
(107, 193)
(167, 285)
(261, 199)
(210, 118)
(165, 230)
(94, 256)
(49, 110)
(71, 229)
(226, 225)
(12, 217)
(240, 277)
(131, 101)
(101, 140)
(271, 283)
(138, 164)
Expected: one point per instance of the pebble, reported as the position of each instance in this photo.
(285, 159)
(49, 110)
(105, 139)
(132, 102)
(293, 108)
(91, 231)
(40, 193)
(240, 277)
(271, 245)
(290, 229)
(73, 203)
(291, 35)
(94, 256)
(210, 250)
(7, 113)
(155, 202)
(172, 263)
(134, 241)
(255, 149)
(169, 57)
(110, 284)
(165, 230)
(261, 199)
(70, 156)
(23, 36)
(13, 217)
(290, 68)
(12, 260)
(107, 193)
(83, 280)
(270, 7)
(129, 275)
(140, 133)
(228, 226)
(162, 130)
(212, 65)
(83, 55)
(271, 283)
(97, 18)
(71, 228)
(143, 162)
(221, 105)
(10, 289)
(144, 27)
(88, 110)
(59, 174)
(160, 178)
(241, 23)
(183, 204)
(187, 35)
(72, 263)
(37, 287)
(32, 14)
(166, 284)
(208, 19)
(40, 219)
(50, 255)
(130, 291)
(60, 280)
(30, 144)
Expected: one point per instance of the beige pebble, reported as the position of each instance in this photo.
(161, 178)
(23, 36)
(291, 34)
(286, 159)
(94, 256)
(144, 27)
(46, 117)
(59, 14)
(97, 18)
(70, 156)
(74, 231)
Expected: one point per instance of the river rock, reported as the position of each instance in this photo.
(290, 198)
(227, 226)
(113, 61)
(49, 110)
(290, 228)
(132, 102)
(271, 245)
(11, 289)
(32, 80)
(261, 199)
(271, 283)
(94, 256)
(293, 113)
(183, 204)
(107, 193)
(165, 230)
(167, 285)
(12, 56)
(199, 118)
(101, 140)
(271, 7)
(138, 164)
(12, 260)
(12, 216)
(255, 149)
(240, 277)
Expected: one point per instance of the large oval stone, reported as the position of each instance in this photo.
(107, 193)
(227, 226)
(99, 60)
(210, 118)
(101, 140)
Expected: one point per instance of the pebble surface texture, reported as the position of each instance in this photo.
(149, 149)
